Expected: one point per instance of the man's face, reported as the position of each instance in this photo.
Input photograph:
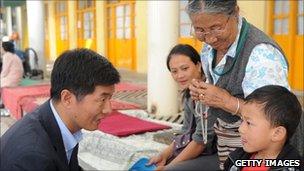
(88, 112)
(256, 131)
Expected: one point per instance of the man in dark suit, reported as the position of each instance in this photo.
(82, 83)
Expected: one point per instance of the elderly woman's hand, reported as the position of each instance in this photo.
(195, 89)
(209, 94)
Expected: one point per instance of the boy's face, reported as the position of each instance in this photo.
(256, 131)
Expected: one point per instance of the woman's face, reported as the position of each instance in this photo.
(217, 30)
(183, 70)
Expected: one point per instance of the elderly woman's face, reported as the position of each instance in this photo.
(217, 30)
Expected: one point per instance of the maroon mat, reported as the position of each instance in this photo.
(23, 98)
(12, 97)
(124, 86)
(29, 104)
(123, 125)
(122, 105)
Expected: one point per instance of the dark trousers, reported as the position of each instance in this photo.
(210, 162)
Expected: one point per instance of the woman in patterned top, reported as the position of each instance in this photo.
(237, 58)
(184, 64)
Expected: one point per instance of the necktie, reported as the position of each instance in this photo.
(74, 159)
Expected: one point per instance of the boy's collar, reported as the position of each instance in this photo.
(287, 152)
(239, 153)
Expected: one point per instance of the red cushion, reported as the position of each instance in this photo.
(123, 125)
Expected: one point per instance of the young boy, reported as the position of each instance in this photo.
(270, 116)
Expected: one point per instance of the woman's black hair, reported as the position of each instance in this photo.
(8, 46)
(186, 50)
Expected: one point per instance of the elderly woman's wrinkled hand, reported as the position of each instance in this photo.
(194, 88)
(213, 96)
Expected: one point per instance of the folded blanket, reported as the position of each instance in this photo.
(123, 125)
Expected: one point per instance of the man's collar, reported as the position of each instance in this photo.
(70, 140)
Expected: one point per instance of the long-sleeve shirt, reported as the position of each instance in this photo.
(12, 70)
(266, 65)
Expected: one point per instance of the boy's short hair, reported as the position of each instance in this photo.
(281, 107)
(80, 71)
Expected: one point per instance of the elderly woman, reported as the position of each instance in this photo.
(12, 69)
(237, 58)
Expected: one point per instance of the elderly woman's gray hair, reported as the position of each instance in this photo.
(226, 7)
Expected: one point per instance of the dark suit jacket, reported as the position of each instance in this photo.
(35, 143)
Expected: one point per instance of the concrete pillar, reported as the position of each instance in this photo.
(162, 36)
(9, 24)
(52, 31)
(35, 18)
(24, 42)
(19, 26)
(72, 24)
(141, 23)
(100, 27)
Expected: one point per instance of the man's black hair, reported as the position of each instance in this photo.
(80, 71)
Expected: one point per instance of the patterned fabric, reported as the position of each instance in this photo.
(266, 65)
(114, 153)
(228, 139)
(104, 151)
